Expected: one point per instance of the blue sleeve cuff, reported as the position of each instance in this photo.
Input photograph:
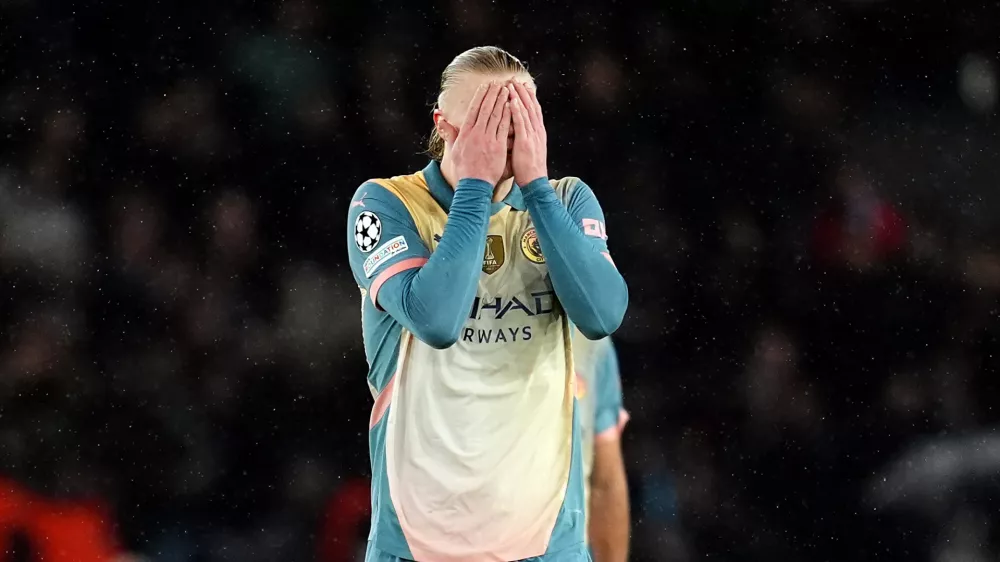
(535, 187)
(474, 183)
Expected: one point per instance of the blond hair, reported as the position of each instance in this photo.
(482, 60)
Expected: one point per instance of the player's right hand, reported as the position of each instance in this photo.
(480, 147)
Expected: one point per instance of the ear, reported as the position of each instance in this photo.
(447, 131)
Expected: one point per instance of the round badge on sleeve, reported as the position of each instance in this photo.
(367, 231)
(530, 247)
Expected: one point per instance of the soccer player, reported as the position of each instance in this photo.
(602, 419)
(471, 273)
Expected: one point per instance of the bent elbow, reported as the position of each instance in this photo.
(606, 318)
(439, 336)
(598, 329)
(438, 341)
(593, 334)
(435, 325)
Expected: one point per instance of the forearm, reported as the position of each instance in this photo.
(433, 301)
(609, 522)
(586, 281)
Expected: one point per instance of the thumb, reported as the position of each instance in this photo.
(447, 131)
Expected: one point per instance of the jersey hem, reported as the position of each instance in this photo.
(392, 547)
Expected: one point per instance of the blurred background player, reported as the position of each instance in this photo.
(602, 419)
(37, 527)
(473, 431)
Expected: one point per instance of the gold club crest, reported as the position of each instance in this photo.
(493, 257)
(530, 247)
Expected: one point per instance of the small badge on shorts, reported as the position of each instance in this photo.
(367, 231)
(530, 247)
(494, 254)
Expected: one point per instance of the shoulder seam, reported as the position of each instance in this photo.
(359, 192)
(565, 186)
(390, 186)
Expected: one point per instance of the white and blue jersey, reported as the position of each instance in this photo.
(475, 435)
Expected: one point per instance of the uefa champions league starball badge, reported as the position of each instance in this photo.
(367, 231)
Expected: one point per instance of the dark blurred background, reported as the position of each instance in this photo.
(802, 195)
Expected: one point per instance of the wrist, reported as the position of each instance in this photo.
(539, 184)
(475, 185)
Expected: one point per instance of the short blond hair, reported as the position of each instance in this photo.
(482, 60)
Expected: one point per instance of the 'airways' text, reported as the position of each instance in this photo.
(496, 335)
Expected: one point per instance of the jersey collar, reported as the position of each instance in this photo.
(443, 193)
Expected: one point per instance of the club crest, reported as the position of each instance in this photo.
(530, 247)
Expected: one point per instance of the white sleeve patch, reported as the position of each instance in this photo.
(367, 231)
(595, 228)
(383, 253)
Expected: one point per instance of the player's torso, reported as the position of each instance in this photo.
(480, 435)
(515, 325)
(513, 352)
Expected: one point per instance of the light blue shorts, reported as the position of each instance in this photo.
(576, 554)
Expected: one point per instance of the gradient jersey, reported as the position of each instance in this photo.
(475, 448)
(599, 398)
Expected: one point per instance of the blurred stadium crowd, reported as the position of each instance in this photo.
(802, 195)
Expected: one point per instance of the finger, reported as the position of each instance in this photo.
(477, 101)
(497, 113)
(505, 118)
(489, 101)
(525, 100)
(517, 119)
(536, 115)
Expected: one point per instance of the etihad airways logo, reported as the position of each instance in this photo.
(532, 305)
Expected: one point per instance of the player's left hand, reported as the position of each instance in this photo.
(529, 154)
